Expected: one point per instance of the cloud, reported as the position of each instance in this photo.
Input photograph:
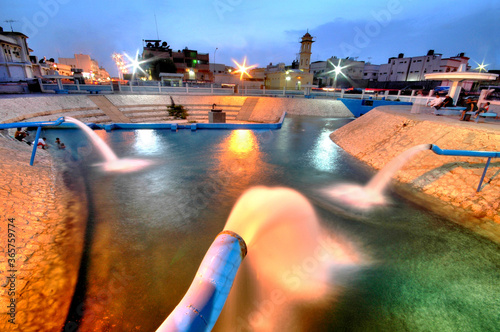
(265, 31)
(379, 41)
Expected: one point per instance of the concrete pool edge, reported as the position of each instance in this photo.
(444, 184)
(153, 108)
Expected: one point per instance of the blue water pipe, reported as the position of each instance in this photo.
(465, 153)
(202, 304)
(39, 126)
(32, 124)
(469, 153)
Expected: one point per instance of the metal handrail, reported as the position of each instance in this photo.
(32, 124)
(39, 126)
(468, 153)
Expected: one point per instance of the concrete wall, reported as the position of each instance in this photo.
(124, 100)
(267, 109)
(18, 107)
(270, 109)
(446, 184)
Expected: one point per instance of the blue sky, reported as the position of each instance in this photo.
(264, 31)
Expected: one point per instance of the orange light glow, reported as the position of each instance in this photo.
(243, 69)
(242, 141)
(120, 63)
(239, 160)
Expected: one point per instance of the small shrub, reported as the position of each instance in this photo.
(177, 111)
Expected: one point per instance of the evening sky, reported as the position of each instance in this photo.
(264, 31)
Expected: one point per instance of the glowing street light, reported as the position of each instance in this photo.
(243, 69)
(481, 66)
(135, 64)
(287, 78)
(120, 64)
(337, 69)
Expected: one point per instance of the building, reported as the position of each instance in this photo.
(90, 67)
(103, 74)
(55, 68)
(15, 64)
(370, 72)
(194, 65)
(317, 67)
(414, 68)
(325, 74)
(223, 74)
(280, 77)
(292, 79)
(305, 52)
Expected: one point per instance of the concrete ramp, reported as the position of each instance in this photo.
(109, 109)
(246, 110)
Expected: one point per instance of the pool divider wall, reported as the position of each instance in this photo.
(359, 107)
(176, 126)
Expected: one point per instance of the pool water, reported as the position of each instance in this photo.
(149, 231)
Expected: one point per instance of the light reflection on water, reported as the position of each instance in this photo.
(146, 142)
(323, 153)
(152, 229)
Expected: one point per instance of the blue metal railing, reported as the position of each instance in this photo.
(109, 127)
(468, 153)
(39, 126)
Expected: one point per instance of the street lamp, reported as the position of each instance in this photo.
(288, 78)
(243, 69)
(214, 61)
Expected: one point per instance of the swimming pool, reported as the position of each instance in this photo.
(151, 229)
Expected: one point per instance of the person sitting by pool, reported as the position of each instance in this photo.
(447, 102)
(20, 135)
(436, 103)
(43, 143)
(484, 109)
(471, 107)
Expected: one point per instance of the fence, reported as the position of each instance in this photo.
(149, 87)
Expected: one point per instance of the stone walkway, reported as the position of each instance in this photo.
(48, 221)
(247, 109)
(109, 109)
